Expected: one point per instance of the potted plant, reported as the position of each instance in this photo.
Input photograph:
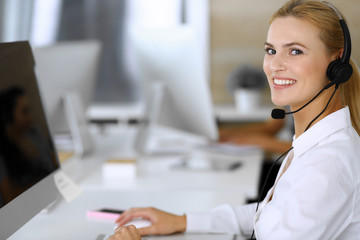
(246, 82)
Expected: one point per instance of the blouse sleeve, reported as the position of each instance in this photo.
(223, 219)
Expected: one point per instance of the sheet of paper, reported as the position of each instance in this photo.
(68, 189)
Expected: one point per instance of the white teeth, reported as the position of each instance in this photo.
(283, 82)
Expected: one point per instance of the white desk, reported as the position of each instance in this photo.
(154, 184)
(160, 172)
(69, 221)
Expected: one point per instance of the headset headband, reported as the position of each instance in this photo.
(347, 40)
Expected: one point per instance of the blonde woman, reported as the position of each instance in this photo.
(317, 191)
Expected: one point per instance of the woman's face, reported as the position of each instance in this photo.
(22, 114)
(295, 61)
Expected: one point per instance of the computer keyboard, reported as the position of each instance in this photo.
(102, 237)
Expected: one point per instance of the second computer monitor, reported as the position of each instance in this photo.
(172, 57)
(67, 74)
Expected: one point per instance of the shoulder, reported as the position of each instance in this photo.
(335, 161)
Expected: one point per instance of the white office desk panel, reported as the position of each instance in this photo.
(69, 220)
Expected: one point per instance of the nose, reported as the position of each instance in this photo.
(278, 63)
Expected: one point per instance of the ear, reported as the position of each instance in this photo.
(338, 54)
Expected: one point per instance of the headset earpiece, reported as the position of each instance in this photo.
(339, 72)
(331, 70)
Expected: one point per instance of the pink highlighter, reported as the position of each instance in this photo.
(104, 213)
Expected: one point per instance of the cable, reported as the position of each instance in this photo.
(266, 179)
(336, 87)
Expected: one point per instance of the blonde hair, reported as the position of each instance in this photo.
(327, 21)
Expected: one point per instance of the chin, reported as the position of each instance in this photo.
(279, 101)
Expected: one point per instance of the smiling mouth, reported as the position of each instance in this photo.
(281, 82)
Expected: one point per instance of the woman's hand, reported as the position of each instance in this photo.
(161, 222)
(125, 233)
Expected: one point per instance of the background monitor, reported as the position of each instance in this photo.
(28, 159)
(67, 74)
(171, 57)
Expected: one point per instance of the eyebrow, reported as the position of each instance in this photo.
(288, 44)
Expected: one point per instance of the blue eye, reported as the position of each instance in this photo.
(296, 52)
(270, 51)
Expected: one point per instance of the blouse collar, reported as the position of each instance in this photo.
(333, 122)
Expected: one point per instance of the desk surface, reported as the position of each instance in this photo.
(69, 221)
(160, 172)
(153, 183)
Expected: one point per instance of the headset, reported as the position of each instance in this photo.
(338, 72)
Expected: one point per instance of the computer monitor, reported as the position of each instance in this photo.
(67, 73)
(172, 57)
(28, 159)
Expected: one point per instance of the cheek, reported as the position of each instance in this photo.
(315, 74)
(266, 68)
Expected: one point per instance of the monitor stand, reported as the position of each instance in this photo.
(79, 131)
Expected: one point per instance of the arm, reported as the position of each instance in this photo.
(269, 127)
(261, 134)
(267, 143)
(223, 219)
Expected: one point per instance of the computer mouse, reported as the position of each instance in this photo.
(138, 223)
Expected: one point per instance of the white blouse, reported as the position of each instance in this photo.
(317, 197)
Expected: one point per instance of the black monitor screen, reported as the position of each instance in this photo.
(27, 153)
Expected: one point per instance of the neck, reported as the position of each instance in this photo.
(305, 116)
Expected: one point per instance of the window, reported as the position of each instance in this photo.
(44, 22)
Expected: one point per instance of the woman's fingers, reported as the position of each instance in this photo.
(151, 230)
(130, 214)
(126, 233)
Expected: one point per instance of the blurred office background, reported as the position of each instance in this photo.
(229, 33)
